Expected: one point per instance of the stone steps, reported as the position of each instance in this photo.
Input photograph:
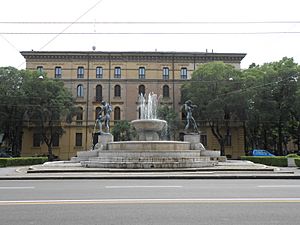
(149, 159)
(147, 165)
(143, 153)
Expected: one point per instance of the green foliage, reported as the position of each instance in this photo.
(169, 115)
(267, 160)
(22, 161)
(272, 92)
(51, 103)
(123, 131)
(216, 89)
(293, 156)
(26, 98)
(297, 162)
(12, 107)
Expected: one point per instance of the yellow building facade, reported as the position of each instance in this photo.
(118, 78)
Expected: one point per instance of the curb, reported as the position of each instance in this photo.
(96, 174)
(150, 177)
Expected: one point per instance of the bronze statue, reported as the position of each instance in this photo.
(189, 107)
(106, 109)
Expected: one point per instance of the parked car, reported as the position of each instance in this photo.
(261, 152)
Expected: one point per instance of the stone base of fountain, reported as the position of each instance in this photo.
(145, 155)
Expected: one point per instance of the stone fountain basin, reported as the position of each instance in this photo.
(149, 124)
(149, 146)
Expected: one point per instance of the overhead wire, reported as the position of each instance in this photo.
(67, 27)
(146, 33)
(145, 22)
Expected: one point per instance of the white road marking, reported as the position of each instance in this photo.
(15, 188)
(152, 201)
(143, 186)
(279, 186)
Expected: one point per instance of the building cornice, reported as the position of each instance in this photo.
(133, 56)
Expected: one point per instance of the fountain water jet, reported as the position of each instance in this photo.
(148, 127)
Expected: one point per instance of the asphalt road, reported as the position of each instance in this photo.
(135, 202)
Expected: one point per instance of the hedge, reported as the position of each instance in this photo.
(22, 161)
(297, 162)
(267, 160)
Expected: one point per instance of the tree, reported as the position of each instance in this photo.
(123, 131)
(49, 106)
(169, 115)
(216, 89)
(273, 96)
(13, 106)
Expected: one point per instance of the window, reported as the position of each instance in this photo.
(117, 91)
(36, 140)
(40, 69)
(97, 111)
(142, 73)
(55, 140)
(166, 92)
(227, 140)
(203, 139)
(80, 90)
(78, 140)
(140, 113)
(166, 73)
(99, 72)
(117, 113)
(57, 72)
(79, 114)
(142, 90)
(117, 72)
(99, 93)
(80, 72)
(183, 73)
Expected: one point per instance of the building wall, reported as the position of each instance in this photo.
(129, 62)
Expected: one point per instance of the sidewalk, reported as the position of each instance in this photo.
(231, 169)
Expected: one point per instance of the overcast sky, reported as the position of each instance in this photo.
(266, 30)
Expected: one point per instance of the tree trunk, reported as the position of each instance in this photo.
(216, 132)
(50, 153)
(222, 148)
(280, 139)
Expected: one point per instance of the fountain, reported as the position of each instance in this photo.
(148, 151)
(148, 125)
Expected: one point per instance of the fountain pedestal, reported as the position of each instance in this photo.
(104, 139)
(193, 139)
(148, 129)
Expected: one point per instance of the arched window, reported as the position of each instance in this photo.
(166, 92)
(98, 109)
(142, 89)
(117, 113)
(80, 90)
(117, 91)
(98, 93)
